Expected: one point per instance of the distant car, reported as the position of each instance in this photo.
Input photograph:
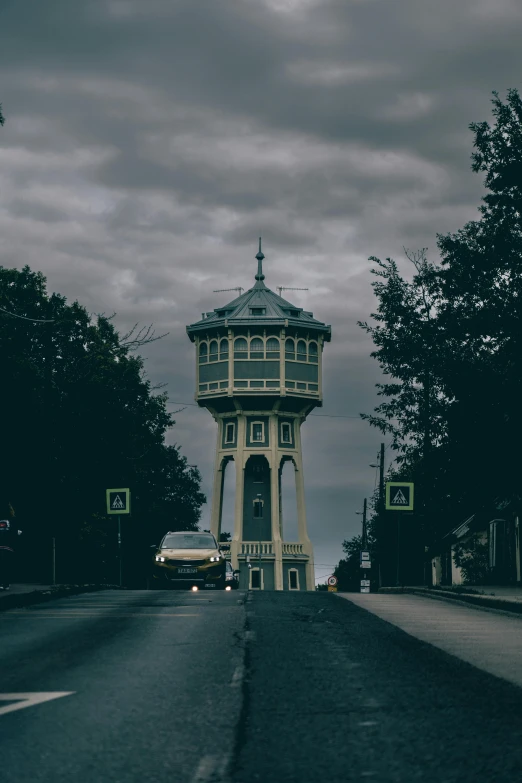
(231, 577)
(190, 560)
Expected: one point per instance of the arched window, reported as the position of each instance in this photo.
(312, 352)
(203, 350)
(240, 348)
(223, 349)
(257, 348)
(301, 351)
(272, 346)
(290, 348)
(213, 352)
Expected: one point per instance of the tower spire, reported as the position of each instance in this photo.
(260, 256)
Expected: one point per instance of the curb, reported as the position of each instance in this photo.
(484, 601)
(19, 600)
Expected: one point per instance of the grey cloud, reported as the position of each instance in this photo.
(148, 145)
(36, 211)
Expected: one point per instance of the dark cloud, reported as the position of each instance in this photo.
(148, 145)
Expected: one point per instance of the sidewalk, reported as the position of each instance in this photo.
(511, 593)
(491, 641)
(496, 598)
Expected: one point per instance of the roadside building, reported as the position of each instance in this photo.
(484, 549)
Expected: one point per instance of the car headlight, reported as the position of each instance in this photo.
(215, 558)
(160, 559)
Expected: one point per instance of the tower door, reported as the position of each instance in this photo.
(257, 507)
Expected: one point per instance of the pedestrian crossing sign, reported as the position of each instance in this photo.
(399, 496)
(118, 501)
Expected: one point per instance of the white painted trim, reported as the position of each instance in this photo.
(256, 568)
(228, 424)
(283, 425)
(295, 570)
(263, 438)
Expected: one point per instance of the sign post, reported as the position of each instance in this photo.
(399, 497)
(332, 584)
(365, 563)
(118, 502)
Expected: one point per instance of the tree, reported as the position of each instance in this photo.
(452, 341)
(482, 287)
(79, 417)
(411, 351)
(2, 119)
(225, 537)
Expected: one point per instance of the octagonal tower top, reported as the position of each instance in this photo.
(259, 352)
(259, 307)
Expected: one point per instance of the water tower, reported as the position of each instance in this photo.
(259, 362)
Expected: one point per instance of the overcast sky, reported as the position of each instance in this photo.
(149, 143)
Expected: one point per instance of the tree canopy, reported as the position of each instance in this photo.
(450, 338)
(81, 417)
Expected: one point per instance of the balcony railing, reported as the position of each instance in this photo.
(267, 548)
(252, 548)
(293, 549)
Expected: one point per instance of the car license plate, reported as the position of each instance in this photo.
(187, 570)
(210, 584)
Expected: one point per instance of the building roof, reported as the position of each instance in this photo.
(259, 306)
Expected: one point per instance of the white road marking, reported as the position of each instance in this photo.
(29, 699)
(238, 676)
(211, 768)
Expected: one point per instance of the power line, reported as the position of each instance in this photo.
(25, 318)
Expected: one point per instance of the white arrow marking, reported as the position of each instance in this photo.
(29, 699)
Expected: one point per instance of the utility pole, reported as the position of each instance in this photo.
(380, 512)
(364, 531)
(119, 543)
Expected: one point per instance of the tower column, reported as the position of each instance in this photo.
(301, 513)
(217, 498)
(240, 491)
(275, 459)
(217, 487)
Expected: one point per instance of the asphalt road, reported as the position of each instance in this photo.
(210, 688)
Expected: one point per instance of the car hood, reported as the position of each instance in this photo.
(189, 554)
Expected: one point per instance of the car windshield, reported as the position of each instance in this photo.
(189, 541)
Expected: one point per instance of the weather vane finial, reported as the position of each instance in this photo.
(260, 256)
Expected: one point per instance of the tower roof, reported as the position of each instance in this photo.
(259, 306)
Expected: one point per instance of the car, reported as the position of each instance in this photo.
(231, 577)
(188, 559)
